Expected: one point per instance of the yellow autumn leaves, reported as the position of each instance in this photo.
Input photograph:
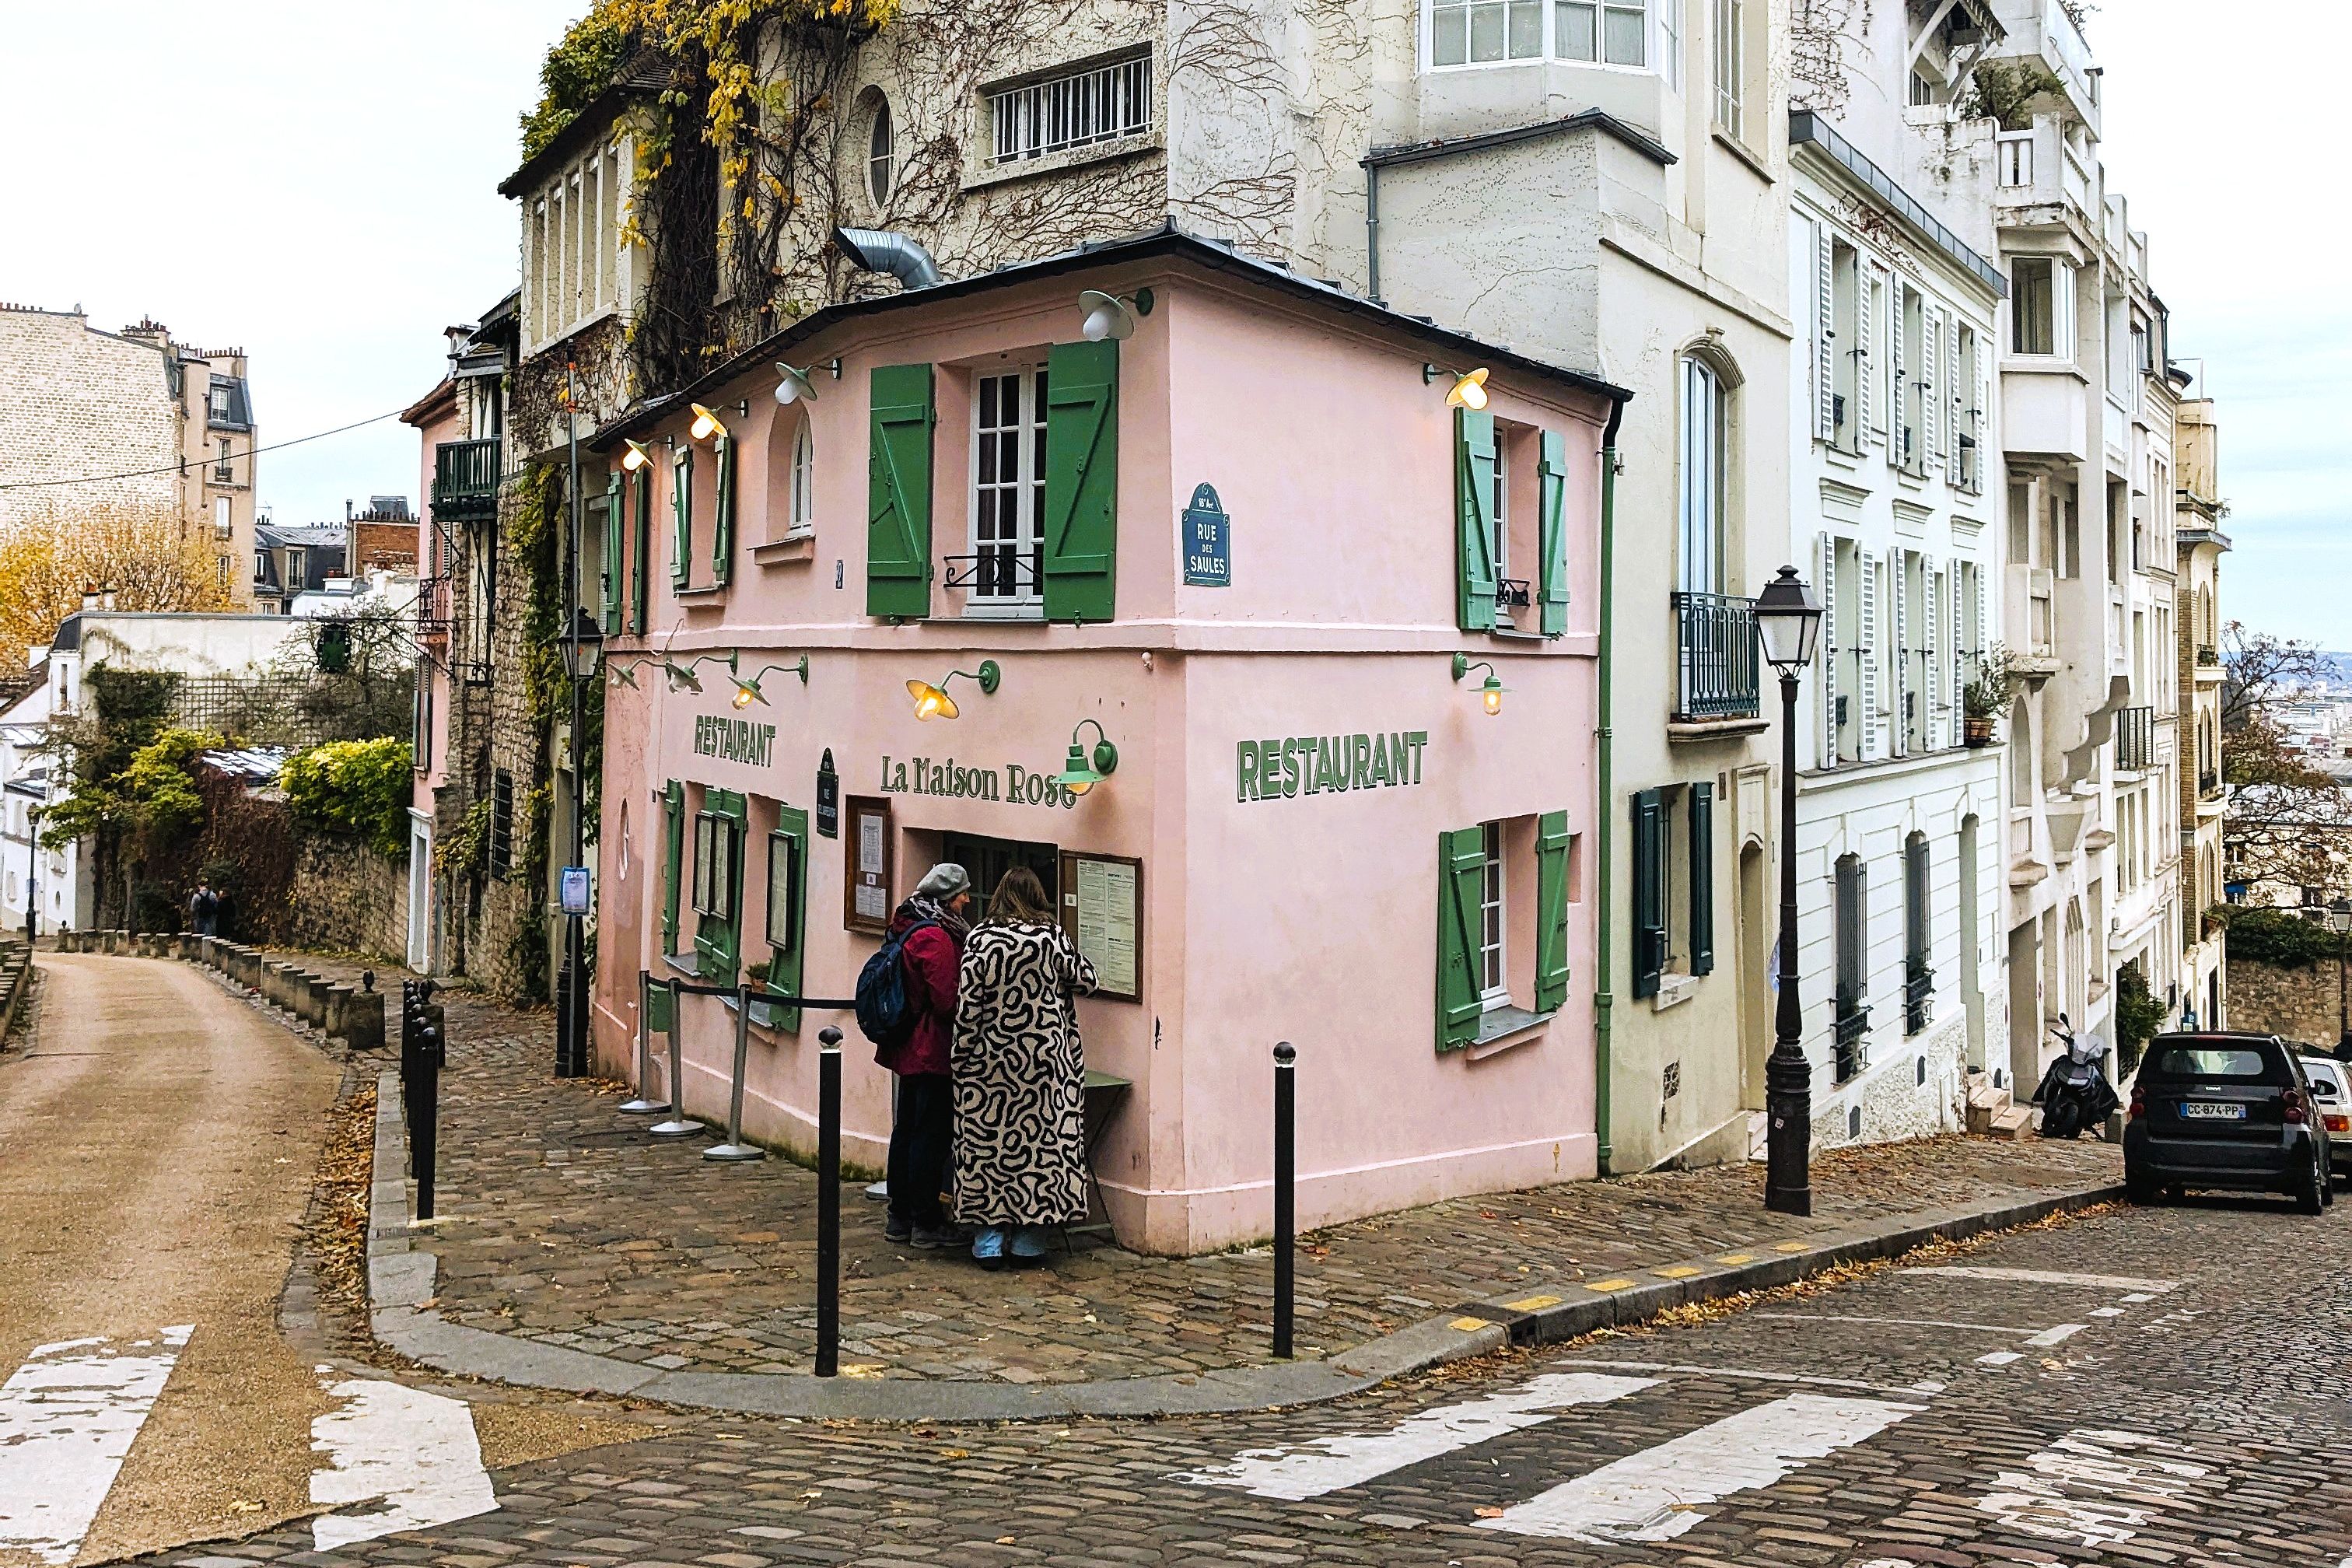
(143, 550)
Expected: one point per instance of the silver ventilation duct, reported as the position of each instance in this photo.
(888, 250)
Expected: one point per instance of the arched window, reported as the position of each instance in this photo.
(877, 151)
(802, 483)
(1700, 553)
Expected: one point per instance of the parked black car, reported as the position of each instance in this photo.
(2225, 1109)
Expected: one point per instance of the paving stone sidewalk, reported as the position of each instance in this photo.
(563, 1224)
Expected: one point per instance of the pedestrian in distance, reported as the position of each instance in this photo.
(204, 909)
(1020, 1077)
(907, 1005)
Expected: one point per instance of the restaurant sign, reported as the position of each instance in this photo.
(1314, 764)
(734, 740)
(946, 777)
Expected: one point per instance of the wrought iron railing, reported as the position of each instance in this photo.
(1513, 593)
(2135, 739)
(1918, 996)
(1852, 1038)
(2209, 785)
(1007, 573)
(1716, 636)
(465, 479)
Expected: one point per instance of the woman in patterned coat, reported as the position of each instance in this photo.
(1020, 1076)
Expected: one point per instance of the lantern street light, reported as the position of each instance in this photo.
(1788, 623)
(2340, 920)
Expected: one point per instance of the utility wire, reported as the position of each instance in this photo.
(206, 458)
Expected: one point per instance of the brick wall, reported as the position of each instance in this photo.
(390, 545)
(2299, 1004)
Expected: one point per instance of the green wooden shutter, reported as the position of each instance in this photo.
(717, 938)
(1702, 878)
(1649, 943)
(1473, 518)
(899, 494)
(1551, 911)
(613, 516)
(722, 511)
(674, 841)
(660, 1016)
(785, 957)
(681, 508)
(1461, 884)
(1551, 480)
(1081, 481)
(643, 550)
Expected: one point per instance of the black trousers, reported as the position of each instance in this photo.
(919, 1141)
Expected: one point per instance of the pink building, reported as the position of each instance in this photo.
(1250, 547)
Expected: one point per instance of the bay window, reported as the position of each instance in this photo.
(1588, 32)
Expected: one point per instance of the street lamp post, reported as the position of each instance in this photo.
(583, 641)
(1788, 623)
(2340, 920)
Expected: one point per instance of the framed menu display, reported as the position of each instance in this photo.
(866, 855)
(1102, 911)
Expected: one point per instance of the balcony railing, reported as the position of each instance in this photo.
(1852, 1038)
(1715, 635)
(1513, 593)
(2135, 739)
(465, 479)
(1918, 996)
(2209, 785)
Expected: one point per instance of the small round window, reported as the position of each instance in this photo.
(877, 151)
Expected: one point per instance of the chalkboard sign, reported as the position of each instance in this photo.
(1208, 542)
(828, 798)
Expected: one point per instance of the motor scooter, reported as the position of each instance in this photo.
(2075, 1093)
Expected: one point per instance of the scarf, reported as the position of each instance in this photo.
(929, 909)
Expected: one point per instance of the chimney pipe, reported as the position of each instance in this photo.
(886, 250)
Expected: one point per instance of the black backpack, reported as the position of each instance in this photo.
(887, 1014)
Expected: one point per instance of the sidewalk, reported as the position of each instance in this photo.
(569, 1234)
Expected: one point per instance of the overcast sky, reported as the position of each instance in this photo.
(315, 182)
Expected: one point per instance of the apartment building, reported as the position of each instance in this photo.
(2199, 544)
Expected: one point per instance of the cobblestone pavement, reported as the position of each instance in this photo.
(563, 1223)
(2136, 1386)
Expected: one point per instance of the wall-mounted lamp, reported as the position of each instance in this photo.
(794, 385)
(635, 458)
(682, 677)
(1109, 316)
(933, 702)
(706, 424)
(747, 687)
(1081, 773)
(1469, 389)
(1491, 693)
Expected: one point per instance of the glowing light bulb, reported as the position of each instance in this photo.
(1492, 693)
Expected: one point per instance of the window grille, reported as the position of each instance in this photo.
(1101, 103)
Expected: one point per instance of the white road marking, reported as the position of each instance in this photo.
(1898, 1323)
(2055, 1334)
(1751, 1374)
(1658, 1493)
(2138, 1296)
(2047, 1276)
(2000, 1358)
(2125, 1489)
(1327, 1464)
(410, 1455)
(2104, 1312)
(67, 1421)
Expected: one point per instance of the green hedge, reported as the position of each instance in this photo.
(2281, 938)
(360, 787)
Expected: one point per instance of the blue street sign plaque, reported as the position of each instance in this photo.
(1208, 538)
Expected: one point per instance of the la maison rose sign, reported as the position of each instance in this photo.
(946, 777)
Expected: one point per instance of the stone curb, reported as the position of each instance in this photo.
(402, 1268)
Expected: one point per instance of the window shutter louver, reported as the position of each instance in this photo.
(1551, 911)
(1081, 525)
(1982, 597)
(1551, 480)
(1962, 571)
(1474, 521)
(1702, 878)
(786, 959)
(644, 502)
(1824, 334)
(1866, 617)
(1898, 727)
(898, 493)
(1649, 945)
(1898, 407)
(1932, 664)
(674, 850)
(1983, 431)
(681, 512)
(615, 518)
(1955, 403)
(1864, 370)
(722, 509)
(1461, 923)
(1829, 649)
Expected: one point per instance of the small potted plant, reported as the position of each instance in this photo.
(1987, 697)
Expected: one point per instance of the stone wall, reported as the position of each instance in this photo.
(346, 898)
(2299, 1004)
(105, 398)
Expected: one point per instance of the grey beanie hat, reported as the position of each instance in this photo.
(944, 881)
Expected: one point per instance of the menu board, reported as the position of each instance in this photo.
(865, 898)
(1102, 911)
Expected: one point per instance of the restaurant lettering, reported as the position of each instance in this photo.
(734, 740)
(948, 778)
(1312, 764)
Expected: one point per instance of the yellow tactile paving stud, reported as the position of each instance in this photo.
(1679, 1271)
(1608, 1284)
(1533, 1304)
(1467, 1325)
(1737, 1257)
(1793, 1246)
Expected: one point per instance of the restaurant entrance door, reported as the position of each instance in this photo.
(987, 860)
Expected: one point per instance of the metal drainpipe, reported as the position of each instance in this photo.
(1603, 997)
(1372, 231)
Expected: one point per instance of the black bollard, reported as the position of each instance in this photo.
(425, 1125)
(828, 1203)
(1285, 1177)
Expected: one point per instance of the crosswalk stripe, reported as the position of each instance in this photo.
(2047, 1276)
(67, 1421)
(2093, 1486)
(410, 1457)
(2056, 1335)
(1657, 1494)
(1299, 1471)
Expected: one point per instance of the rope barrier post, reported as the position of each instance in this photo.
(735, 1148)
(828, 1203)
(678, 1125)
(644, 1104)
(1286, 1178)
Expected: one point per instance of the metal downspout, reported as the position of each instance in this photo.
(1372, 231)
(1603, 995)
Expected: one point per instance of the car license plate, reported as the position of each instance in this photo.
(2209, 1110)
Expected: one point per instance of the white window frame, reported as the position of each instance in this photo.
(1661, 35)
(801, 483)
(1026, 486)
(1669, 21)
(1120, 88)
(1494, 921)
(2062, 314)
(881, 153)
(1702, 484)
(1502, 533)
(222, 523)
(1729, 53)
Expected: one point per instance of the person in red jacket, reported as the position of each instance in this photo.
(937, 920)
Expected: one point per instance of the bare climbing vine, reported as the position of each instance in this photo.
(1819, 31)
